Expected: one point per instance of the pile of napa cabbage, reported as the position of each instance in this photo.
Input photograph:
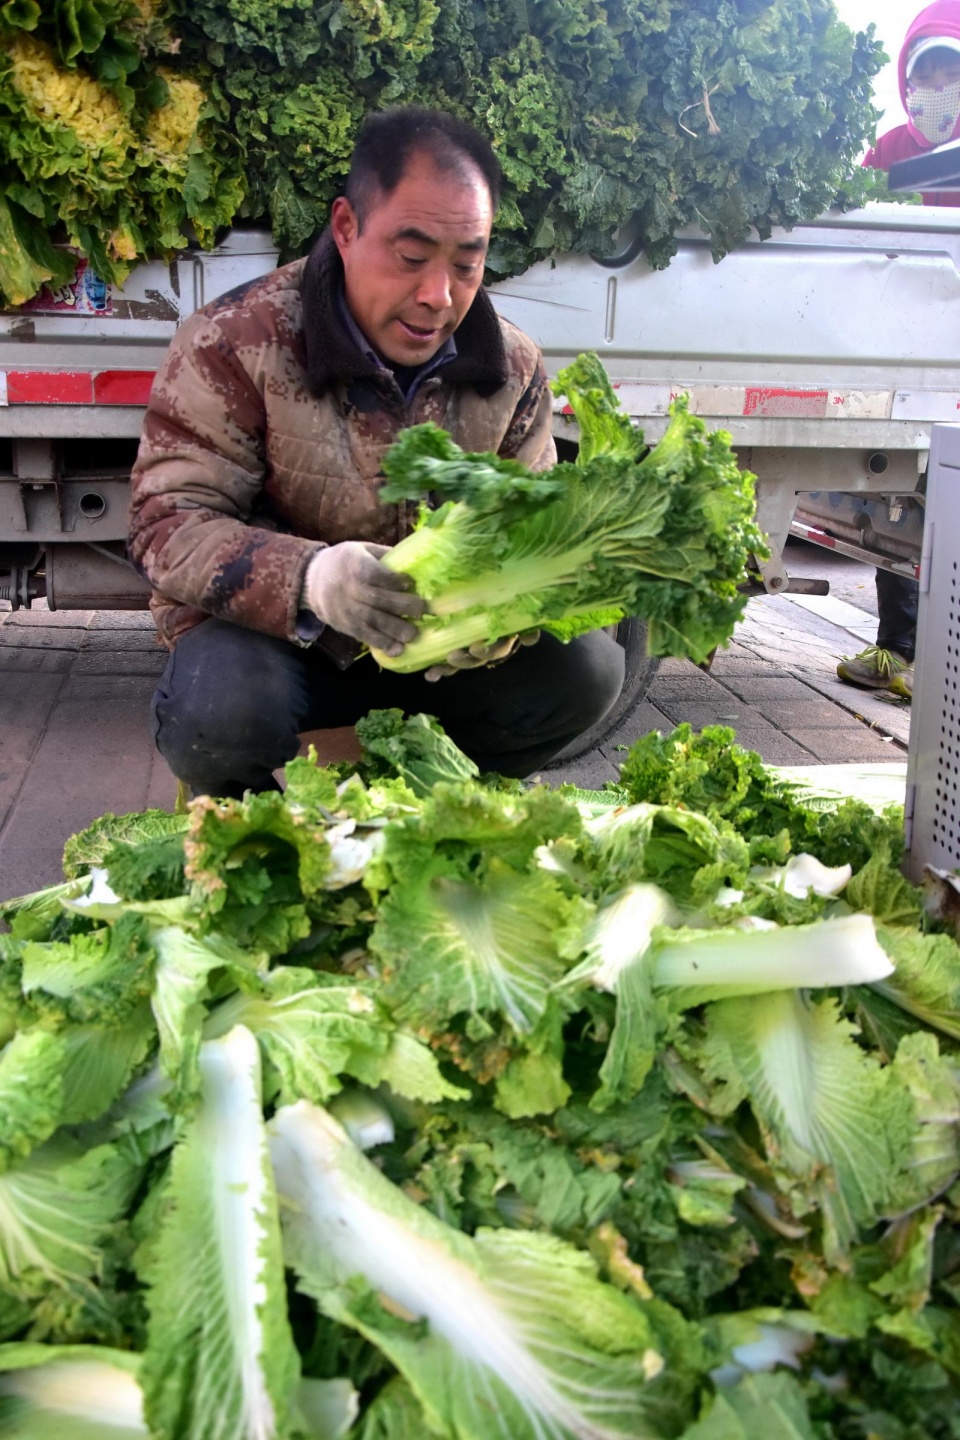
(411, 1102)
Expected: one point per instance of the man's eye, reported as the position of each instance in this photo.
(466, 270)
(413, 259)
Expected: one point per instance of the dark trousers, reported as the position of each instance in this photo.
(231, 703)
(897, 601)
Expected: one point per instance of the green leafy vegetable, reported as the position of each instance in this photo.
(666, 537)
(728, 116)
(518, 1324)
(643, 1112)
(111, 148)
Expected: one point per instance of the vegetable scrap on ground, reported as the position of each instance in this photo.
(132, 128)
(414, 1102)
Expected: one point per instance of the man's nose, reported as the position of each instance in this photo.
(434, 288)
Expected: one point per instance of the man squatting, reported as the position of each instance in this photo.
(255, 499)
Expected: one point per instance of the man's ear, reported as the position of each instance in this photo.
(344, 225)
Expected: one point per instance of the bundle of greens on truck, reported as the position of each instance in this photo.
(134, 125)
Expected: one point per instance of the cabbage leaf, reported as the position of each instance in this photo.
(666, 537)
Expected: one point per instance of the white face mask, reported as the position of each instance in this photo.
(934, 110)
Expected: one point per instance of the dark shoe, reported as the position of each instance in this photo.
(876, 669)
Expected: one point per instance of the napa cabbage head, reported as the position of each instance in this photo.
(665, 535)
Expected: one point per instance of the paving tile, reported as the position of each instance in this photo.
(755, 732)
(670, 666)
(745, 663)
(775, 748)
(844, 747)
(642, 719)
(806, 713)
(590, 772)
(698, 714)
(162, 784)
(91, 760)
(123, 620)
(875, 707)
(117, 640)
(37, 619)
(697, 686)
(24, 637)
(24, 711)
(35, 661)
(107, 688)
(120, 662)
(756, 689)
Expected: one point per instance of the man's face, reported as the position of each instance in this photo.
(412, 272)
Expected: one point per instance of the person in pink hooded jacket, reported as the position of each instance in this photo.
(929, 73)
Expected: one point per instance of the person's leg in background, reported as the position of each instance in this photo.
(897, 601)
(888, 665)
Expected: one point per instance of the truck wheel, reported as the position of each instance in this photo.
(639, 670)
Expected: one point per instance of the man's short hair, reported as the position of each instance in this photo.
(389, 139)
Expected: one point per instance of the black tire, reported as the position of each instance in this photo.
(639, 670)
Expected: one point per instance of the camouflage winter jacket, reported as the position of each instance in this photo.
(265, 433)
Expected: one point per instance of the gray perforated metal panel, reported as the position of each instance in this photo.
(933, 766)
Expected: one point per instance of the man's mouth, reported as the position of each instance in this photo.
(419, 332)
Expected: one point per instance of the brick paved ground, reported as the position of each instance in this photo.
(75, 741)
(776, 686)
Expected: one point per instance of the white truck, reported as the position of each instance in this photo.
(827, 352)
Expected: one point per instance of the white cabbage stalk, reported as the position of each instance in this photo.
(718, 964)
(89, 1392)
(79, 1397)
(505, 1356)
(804, 875)
(329, 1408)
(220, 1362)
(365, 1119)
(350, 853)
(99, 893)
(774, 1345)
(621, 933)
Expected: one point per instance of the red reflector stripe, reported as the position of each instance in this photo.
(78, 387)
(786, 404)
(49, 387)
(122, 387)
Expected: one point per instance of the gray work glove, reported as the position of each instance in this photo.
(481, 653)
(347, 588)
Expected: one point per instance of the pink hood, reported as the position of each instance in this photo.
(941, 18)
